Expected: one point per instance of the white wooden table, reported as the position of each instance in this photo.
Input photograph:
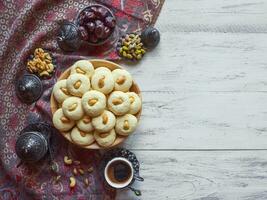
(203, 133)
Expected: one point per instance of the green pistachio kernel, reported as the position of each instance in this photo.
(124, 54)
(129, 56)
(125, 48)
(139, 57)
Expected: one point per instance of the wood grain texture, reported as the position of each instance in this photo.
(203, 90)
(204, 112)
(186, 175)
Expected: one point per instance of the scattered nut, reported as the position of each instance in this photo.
(77, 84)
(121, 80)
(117, 101)
(75, 172)
(90, 169)
(67, 160)
(73, 107)
(126, 125)
(79, 70)
(105, 118)
(76, 162)
(64, 119)
(101, 82)
(86, 182)
(81, 171)
(92, 102)
(72, 182)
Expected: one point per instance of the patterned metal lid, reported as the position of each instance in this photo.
(29, 88)
(150, 37)
(31, 146)
(68, 38)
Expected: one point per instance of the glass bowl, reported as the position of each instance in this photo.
(112, 35)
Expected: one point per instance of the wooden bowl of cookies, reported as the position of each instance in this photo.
(99, 113)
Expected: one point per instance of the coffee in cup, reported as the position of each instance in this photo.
(119, 172)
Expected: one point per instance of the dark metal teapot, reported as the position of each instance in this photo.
(29, 88)
(31, 146)
(33, 143)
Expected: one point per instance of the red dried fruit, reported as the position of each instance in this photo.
(107, 32)
(102, 12)
(83, 33)
(90, 15)
(99, 23)
(99, 31)
(90, 27)
(93, 8)
(110, 22)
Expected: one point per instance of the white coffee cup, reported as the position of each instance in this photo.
(116, 184)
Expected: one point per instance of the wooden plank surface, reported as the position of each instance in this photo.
(203, 133)
(190, 175)
(202, 90)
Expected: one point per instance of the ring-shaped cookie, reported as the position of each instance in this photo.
(94, 103)
(105, 139)
(85, 124)
(78, 84)
(102, 80)
(105, 122)
(60, 91)
(61, 122)
(123, 80)
(118, 103)
(81, 138)
(126, 124)
(84, 67)
(135, 102)
(72, 108)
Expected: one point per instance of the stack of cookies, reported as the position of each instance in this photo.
(95, 105)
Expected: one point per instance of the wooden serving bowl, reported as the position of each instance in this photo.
(96, 63)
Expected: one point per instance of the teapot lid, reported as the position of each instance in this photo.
(29, 88)
(68, 37)
(31, 146)
(150, 37)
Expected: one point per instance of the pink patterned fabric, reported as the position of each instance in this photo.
(24, 26)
